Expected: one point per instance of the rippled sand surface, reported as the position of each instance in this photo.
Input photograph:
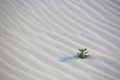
(39, 39)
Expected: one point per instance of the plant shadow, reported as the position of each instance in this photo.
(74, 57)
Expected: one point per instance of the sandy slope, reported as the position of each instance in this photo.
(39, 39)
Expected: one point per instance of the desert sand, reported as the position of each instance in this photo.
(39, 39)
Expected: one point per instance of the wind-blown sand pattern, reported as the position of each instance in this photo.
(39, 39)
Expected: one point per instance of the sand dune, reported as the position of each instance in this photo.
(39, 39)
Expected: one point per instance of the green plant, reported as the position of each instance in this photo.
(82, 53)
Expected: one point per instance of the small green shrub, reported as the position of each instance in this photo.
(82, 53)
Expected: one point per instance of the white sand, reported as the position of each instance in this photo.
(39, 39)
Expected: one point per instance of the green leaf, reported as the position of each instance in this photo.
(82, 53)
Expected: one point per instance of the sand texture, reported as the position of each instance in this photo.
(39, 39)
